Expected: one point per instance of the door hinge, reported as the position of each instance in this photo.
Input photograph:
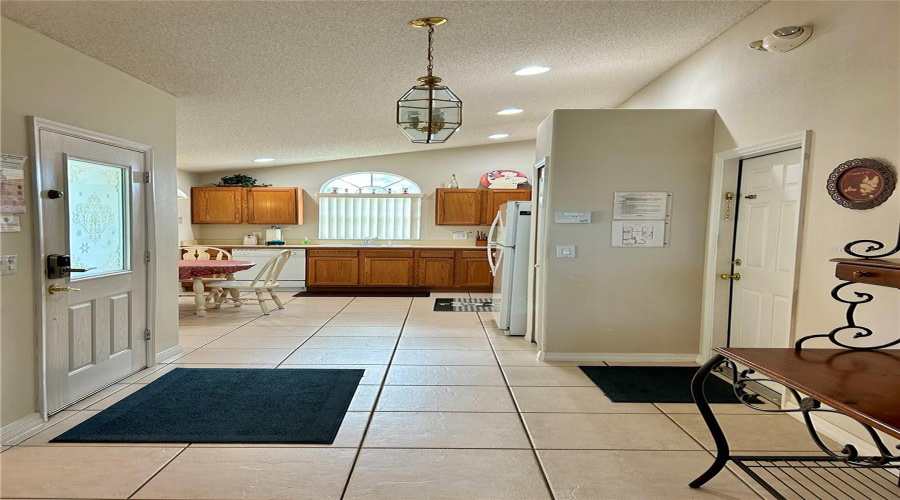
(147, 257)
(146, 334)
(146, 177)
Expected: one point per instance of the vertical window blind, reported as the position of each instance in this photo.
(345, 216)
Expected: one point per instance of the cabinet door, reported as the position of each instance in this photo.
(458, 207)
(332, 268)
(217, 205)
(274, 205)
(496, 198)
(384, 269)
(436, 268)
(474, 269)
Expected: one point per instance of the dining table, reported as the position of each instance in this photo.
(197, 270)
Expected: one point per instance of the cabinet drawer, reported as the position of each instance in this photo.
(388, 253)
(436, 253)
(868, 274)
(333, 253)
(473, 254)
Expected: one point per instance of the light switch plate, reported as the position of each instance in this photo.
(460, 235)
(8, 264)
(565, 251)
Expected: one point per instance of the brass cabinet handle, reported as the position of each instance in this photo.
(862, 274)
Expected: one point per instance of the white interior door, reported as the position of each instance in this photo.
(92, 209)
(765, 250)
(534, 330)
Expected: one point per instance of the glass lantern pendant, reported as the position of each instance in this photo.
(429, 112)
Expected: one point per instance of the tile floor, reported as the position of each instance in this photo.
(449, 409)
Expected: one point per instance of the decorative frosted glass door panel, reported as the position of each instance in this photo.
(99, 228)
(91, 202)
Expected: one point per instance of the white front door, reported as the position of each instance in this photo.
(92, 210)
(765, 250)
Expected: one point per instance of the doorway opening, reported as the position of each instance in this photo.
(753, 241)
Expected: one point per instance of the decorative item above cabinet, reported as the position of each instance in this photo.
(243, 205)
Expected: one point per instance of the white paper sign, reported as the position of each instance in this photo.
(9, 223)
(641, 205)
(12, 184)
(649, 233)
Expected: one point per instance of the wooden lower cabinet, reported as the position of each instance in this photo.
(474, 270)
(398, 268)
(388, 268)
(437, 268)
(332, 268)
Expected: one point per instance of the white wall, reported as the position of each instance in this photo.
(624, 300)
(185, 181)
(429, 169)
(843, 85)
(44, 78)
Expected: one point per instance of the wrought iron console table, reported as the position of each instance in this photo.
(861, 381)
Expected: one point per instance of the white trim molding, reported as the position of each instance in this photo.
(169, 353)
(727, 160)
(648, 357)
(12, 433)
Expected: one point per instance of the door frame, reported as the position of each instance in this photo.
(729, 161)
(534, 326)
(36, 126)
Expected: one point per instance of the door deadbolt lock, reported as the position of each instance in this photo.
(737, 262)
(750, 196)
(735, 277)
(54, 289)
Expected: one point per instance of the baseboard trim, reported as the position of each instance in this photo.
(169, 353)
(617, 356)
(12, 432)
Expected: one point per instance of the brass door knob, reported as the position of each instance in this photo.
(54, 289)
(736, 276)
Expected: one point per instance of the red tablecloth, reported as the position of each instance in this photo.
(188, 269)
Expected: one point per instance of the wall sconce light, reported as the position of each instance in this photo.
(783, 39)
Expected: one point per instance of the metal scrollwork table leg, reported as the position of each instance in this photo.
(723, 453)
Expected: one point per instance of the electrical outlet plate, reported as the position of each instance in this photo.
(460, 235)
(565, 251)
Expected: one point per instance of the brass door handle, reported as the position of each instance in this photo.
(736, 276)
(54, 289)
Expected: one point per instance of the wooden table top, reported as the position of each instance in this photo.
(864, 385)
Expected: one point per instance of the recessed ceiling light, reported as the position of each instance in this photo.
(532, 70)
(263, 160)
(498, 136)
(510, 111)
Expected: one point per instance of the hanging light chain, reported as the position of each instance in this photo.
(430, 49)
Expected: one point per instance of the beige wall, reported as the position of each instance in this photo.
(624, 300)
(843, 85)
(428, 169)
(43, 78)
(185, 181)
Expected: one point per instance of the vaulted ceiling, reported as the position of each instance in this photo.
(303, 81)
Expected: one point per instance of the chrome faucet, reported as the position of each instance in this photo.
(369, 241)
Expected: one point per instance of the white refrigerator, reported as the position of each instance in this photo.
(507, 250)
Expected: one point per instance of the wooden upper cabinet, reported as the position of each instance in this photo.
(217, 205)
(240, 205)
(473, 207)
(274, 205)
(459, 207)
(496, 198)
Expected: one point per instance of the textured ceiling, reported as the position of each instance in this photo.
(303, 81)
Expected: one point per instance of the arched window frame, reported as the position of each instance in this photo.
(379, 208)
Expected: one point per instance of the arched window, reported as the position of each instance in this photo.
(370, 205)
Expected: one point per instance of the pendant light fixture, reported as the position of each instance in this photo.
(429, 112)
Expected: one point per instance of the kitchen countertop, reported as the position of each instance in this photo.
(364, 247)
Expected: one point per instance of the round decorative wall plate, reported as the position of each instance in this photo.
(504, 179)
(861, 184)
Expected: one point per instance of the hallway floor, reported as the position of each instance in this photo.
(449, 408)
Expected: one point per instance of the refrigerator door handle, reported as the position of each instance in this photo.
(490, 244)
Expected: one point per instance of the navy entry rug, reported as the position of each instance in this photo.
(227, 405)
(655, 384)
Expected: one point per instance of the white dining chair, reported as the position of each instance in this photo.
(192, 252)
(265, 281)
